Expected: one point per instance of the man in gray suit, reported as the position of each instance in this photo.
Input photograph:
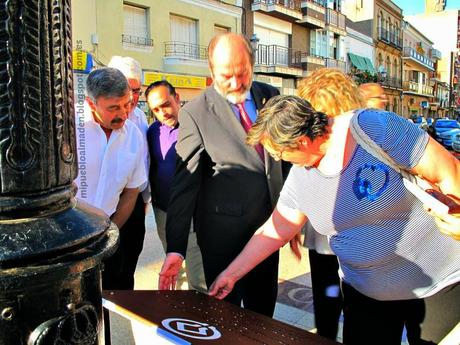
(226, 186)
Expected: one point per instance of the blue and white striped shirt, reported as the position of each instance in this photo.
(388, 247)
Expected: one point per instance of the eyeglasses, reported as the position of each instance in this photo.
(278, 156)
(137, 91)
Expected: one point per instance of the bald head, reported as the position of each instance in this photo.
(226, 46)
(374, 95)
(231, 61)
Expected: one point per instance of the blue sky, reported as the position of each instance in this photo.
(410, 7)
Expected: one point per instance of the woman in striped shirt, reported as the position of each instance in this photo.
(396, 267)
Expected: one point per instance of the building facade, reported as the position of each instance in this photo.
(442, 27)
(360, 53)
(419, 59)
(382, 20)
(168, 37)
(293, 38)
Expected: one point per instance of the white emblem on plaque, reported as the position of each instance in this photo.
(191, 329)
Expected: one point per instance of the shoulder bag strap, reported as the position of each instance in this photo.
(375, 150)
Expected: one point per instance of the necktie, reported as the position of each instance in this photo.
(246, 123)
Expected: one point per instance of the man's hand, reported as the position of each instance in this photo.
(170, 271)
(222, 286)
(294, 243)
(448, 224)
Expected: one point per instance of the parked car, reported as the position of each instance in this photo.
(447, 137)
(456, 143)
(420, 121)
(442, 125)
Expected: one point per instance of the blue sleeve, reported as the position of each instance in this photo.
(402, 140)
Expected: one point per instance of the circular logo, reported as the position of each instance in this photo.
(191, 329)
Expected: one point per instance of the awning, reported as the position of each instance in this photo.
(362, 63)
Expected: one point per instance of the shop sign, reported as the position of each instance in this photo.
(178, 81)
(82, 61)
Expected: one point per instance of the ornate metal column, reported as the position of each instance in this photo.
(51, 246)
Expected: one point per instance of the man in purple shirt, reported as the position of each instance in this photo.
(164, 103)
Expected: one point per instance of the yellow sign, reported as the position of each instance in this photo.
(81, 61)
(180, 81)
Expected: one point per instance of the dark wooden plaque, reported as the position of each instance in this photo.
(190, 317)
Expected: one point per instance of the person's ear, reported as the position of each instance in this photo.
(91, 104)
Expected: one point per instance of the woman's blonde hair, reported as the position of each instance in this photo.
(331, 91)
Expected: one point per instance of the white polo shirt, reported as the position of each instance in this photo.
(140, 120)
(105, 168)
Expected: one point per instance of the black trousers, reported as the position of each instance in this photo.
(327, 307)
(258, 290)
(369, 321)
(119, 269)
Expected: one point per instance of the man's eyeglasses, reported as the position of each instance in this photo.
(137, 91)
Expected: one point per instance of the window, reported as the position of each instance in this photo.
(184, 38)
(388, 66)
(395, 68)
(218, 30)
(135, 26)
(318, 43)
(184, 29)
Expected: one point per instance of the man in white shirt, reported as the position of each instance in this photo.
(110, 160)
(134, 239)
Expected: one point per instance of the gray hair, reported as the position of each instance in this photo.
(130, 67)
(106, 82)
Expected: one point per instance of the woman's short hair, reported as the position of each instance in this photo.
(284, 119)
(331, 91)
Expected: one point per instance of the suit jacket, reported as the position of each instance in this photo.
(220, 182)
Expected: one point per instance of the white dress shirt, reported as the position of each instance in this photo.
(106, 167)
(140, 120)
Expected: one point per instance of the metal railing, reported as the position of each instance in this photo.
(275, 55)
(137, 40)
(411, 52)
(317, 2)
(290, 4)
(436, 54)
(391, 82)
(309, 12)
(335, 18)
(334, 63)
(416, 87)
(186, 50)
(389, 37)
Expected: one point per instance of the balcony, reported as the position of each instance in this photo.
(310, 62)
(389, 38)
(334, 63)
(288, 10)
(417, 88)
(391, 82)
(183, 50)
(277, 60)
(436, 54)
(336, 22)
(411, 54)
(314, 14)
(136, 41)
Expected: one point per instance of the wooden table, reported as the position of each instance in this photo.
(190, 317)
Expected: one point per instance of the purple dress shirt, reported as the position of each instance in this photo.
(162, 147)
